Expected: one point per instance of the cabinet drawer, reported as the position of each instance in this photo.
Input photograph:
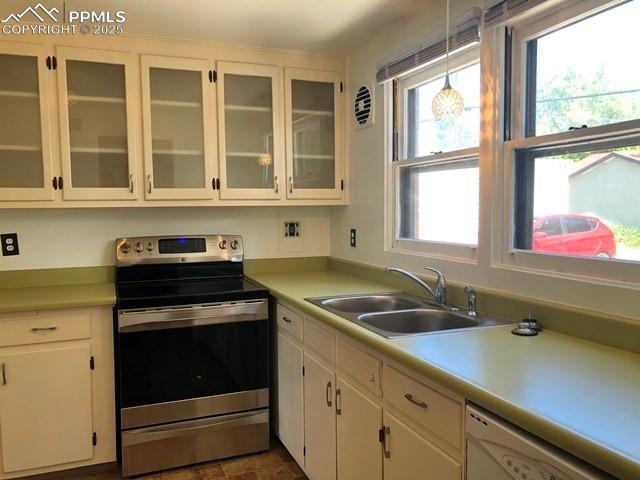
(44, 327)
(320, 340)
(428, 408)
(361, 366)
(289, 321)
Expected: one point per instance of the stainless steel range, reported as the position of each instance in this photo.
(192, 352)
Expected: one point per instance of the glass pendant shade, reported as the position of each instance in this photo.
(265, 159)
(448, 103)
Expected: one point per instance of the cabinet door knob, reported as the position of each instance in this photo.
(276, 182)
(328, 394)
(338, 401)
(131, 183)
(290, 184)
(286, 319)
(4, 373)
(148, 183)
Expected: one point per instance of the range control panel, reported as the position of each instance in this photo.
(179, 249)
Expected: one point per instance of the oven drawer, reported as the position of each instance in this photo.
(171, 445)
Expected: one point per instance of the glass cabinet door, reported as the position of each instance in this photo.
(25, 149)
(175, 102)
(314, 134)
(96, 124)
(251, 134)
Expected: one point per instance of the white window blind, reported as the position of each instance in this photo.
(505, 10)
(465, 35)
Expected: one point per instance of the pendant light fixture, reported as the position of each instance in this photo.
(448, 103)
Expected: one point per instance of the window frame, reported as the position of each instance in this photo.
(506, 255)
(396, 124)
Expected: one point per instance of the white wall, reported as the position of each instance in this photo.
(367, 187)
(85, 237)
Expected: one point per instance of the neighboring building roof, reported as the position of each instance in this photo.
(592, 161)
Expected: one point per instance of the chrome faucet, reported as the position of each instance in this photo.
(472, 298)
(440, 292)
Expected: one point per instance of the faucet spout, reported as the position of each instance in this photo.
(415, 279)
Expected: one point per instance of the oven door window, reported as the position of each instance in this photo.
(183, 363)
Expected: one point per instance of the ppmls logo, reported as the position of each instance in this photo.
(40, 20)
(40, 12)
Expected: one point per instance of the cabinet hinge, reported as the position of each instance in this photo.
(341, 87)
(303, 371)
(92, 364)
(381, 435)
(94, 439)
(341, 184)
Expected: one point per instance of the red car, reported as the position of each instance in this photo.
(574, 235)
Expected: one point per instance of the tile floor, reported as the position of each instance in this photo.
(276, 464)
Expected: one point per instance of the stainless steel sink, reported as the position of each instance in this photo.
(416, 321)
(401, 314)
(370, 303)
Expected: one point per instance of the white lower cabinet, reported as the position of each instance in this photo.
(358, 424)
(45, 407)
(57, 407)
(333, 410)
(290, 397)
(319, 420)
(408, 456)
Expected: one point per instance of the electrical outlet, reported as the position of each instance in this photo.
(291, 229)
(9, 244)
(352, 237)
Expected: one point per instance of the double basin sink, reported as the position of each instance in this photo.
(401, 314)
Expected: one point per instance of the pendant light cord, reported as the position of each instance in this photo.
(447, 41)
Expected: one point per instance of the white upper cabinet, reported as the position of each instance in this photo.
(251, 131)
(314, 134)
(178, 128)
(98, 125)
(25, 145)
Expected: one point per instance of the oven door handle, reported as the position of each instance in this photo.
(180, 429)
(163, 318)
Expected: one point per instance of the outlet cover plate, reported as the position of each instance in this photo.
(9, 244)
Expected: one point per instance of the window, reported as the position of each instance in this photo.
(425, 134)
(576, 151)
(580, 200)
(581, 75)
(437, 175)
(440, 202)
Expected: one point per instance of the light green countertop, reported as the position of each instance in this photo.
(56, 296)
(578, 395)
(56, 288)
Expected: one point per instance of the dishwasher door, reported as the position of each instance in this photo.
(497, 450)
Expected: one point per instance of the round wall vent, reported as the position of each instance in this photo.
(363, 107)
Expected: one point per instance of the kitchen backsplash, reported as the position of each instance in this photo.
(55, 238)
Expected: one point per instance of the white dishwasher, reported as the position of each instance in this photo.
(497, 450)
